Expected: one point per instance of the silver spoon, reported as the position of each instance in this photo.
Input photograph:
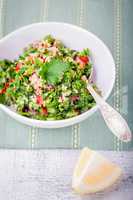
(115, 122)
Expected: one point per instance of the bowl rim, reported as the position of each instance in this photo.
(63, 122)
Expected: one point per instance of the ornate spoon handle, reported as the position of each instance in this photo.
(115, 122)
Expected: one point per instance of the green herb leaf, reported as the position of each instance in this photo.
(84, 52)
(53, 70)
(2, 98)
(49, 38)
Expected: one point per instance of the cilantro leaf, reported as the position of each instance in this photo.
(53, 70)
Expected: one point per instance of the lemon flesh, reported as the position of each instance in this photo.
(93, 172)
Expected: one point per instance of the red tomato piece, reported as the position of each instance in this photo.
(5, 88)
(3, 91)
(84, 59)
(44, 111)
(39, 100)
(18, 66)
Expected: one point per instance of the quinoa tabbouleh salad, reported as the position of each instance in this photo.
(47, 82)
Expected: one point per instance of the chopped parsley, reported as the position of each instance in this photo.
(48, 81)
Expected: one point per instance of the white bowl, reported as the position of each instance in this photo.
(74, 37)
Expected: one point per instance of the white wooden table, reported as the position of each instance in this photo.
(46, 175)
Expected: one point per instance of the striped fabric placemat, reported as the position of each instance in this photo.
(111, 20)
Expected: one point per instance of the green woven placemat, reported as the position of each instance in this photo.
(111, 20)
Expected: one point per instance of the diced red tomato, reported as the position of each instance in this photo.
(44, 111)
(39, 100)
(3, 91)
(18, 66)
(5, 88)
(84, 59)
(7, 85)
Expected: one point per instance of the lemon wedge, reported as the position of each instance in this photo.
(94, 172)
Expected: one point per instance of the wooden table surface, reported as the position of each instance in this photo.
(46, 175)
